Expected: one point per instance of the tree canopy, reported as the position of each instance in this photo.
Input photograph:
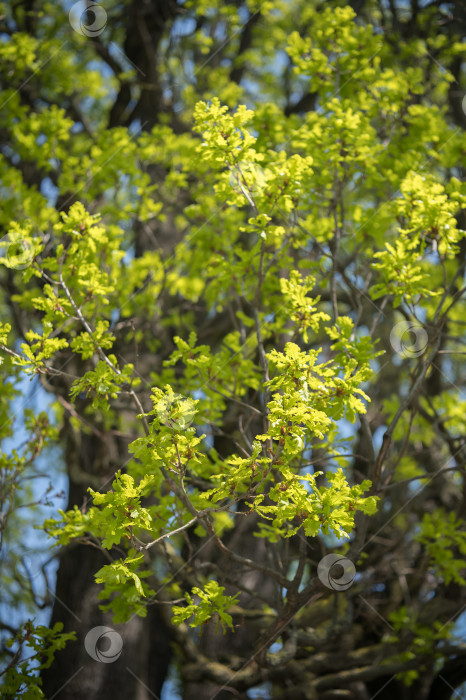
(232, 259)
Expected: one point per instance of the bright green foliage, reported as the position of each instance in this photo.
(212, 603)
(334, 41)
(120, 511)
(40, 644)
(444, 538)
(176, 412)
(120, 578)
(295, 291)
(104, 382)
(328, 510)
(218, 293)
(35, 353)
(430, 228)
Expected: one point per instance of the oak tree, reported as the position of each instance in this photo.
(232, 267)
